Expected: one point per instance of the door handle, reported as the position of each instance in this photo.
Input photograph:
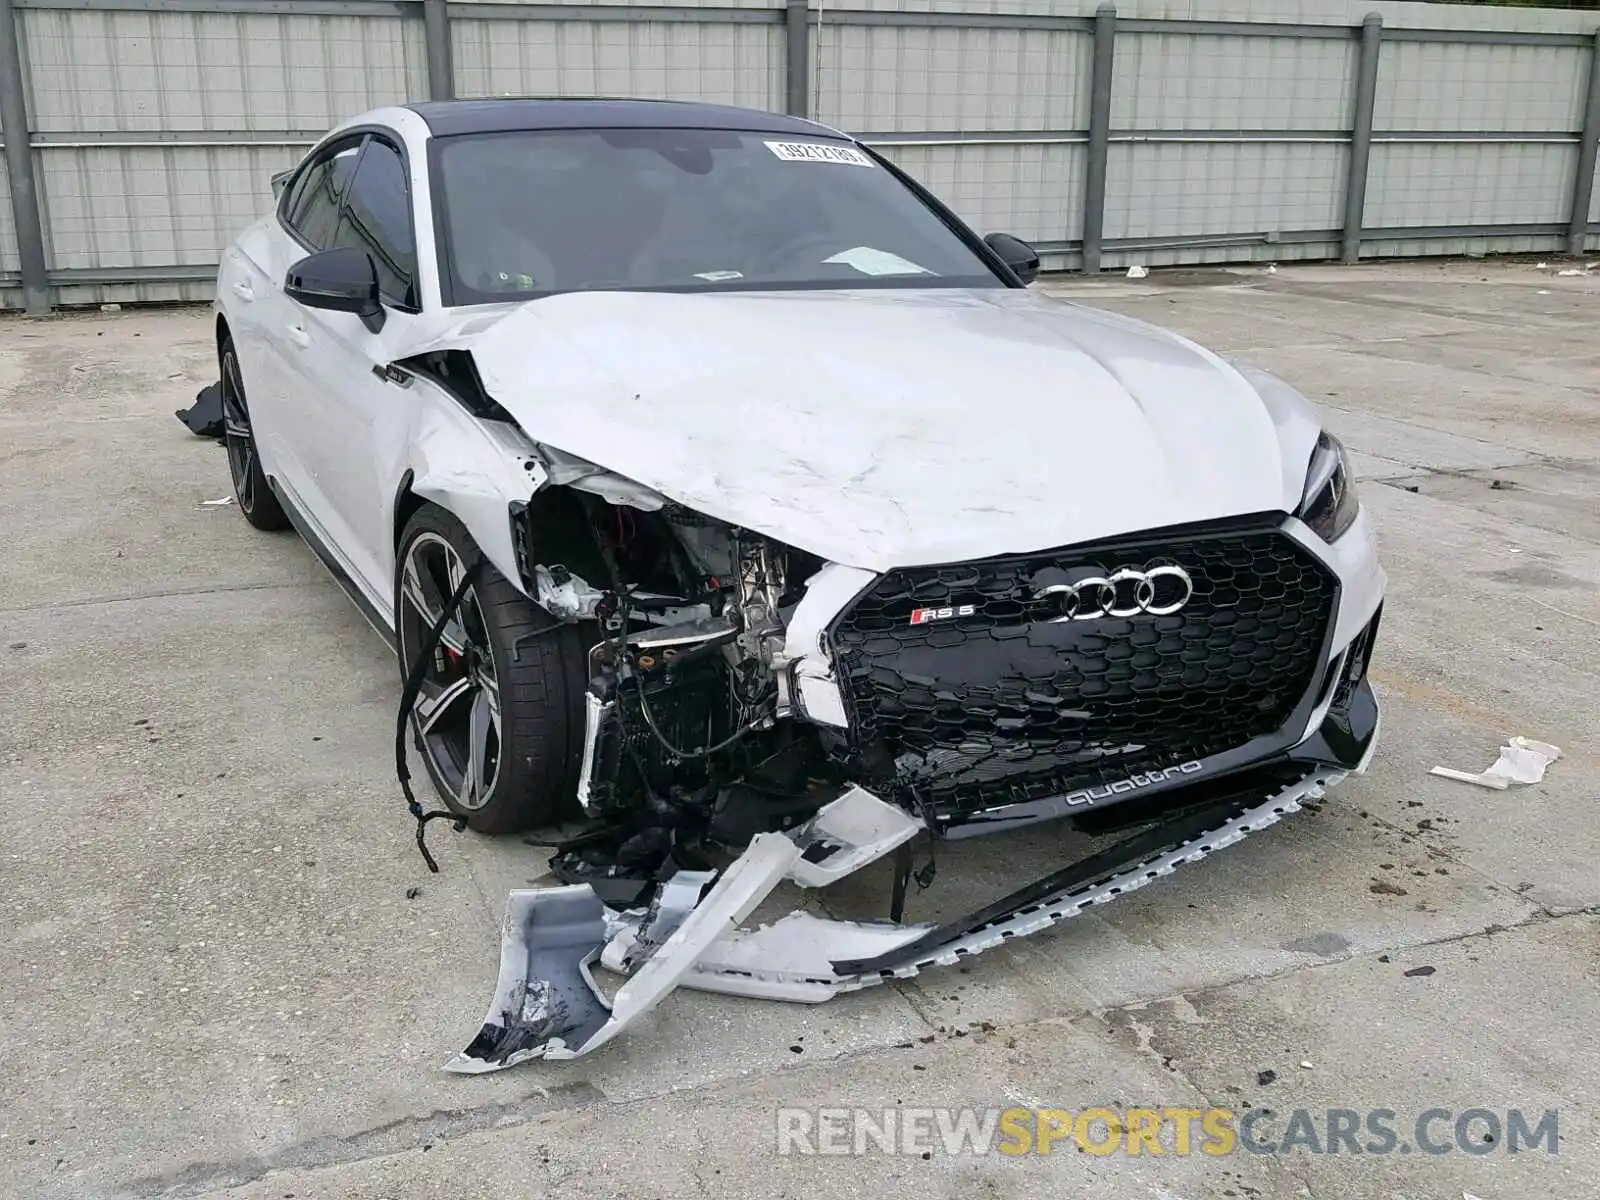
(243, 290)
(298, 335)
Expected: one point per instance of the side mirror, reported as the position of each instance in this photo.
(1016, 254)
(342, 280)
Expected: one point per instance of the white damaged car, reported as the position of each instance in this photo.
(713, 481)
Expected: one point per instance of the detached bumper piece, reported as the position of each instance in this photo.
(547, 1005)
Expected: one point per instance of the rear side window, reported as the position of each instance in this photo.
(377, 219)
(312, 210)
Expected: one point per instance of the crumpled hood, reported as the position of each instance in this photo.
(894, 428)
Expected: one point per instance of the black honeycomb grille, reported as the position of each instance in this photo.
(1005, 704)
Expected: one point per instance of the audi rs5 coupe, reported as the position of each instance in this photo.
(703, 469)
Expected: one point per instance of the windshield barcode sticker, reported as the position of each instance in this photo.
(819, 152)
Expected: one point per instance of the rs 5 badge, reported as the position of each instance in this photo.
(921, 616)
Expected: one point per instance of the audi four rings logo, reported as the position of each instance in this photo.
(1126, 592)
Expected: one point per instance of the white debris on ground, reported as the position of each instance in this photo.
(1138, 272)
(218, 503)
(1523, 760)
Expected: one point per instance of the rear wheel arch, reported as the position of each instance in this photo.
(251, 487)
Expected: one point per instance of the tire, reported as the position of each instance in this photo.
(250, 488)
(538, 667)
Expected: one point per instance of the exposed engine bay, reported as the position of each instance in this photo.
(943, 702)
(685, 748)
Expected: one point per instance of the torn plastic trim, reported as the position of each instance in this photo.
(547, 1006)
(852, 831)
(674, 901)
(812, 687)
(568, 470)
(552, 935)
(545, 996)
(595, 711)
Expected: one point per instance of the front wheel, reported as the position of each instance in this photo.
(499, 718)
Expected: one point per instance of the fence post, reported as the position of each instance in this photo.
(19, 166)
(1094, 180)
(436, 39)
(1355, 189)
(1583, 182)
(797, 41)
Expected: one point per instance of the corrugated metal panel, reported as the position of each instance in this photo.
(153, 207)
(1432, 85)
(146, 73)
(1176, 81)
(1191, 256)
(1173, 188)
(1594, 198)
(8, 232)
(908, 79)
(1470, 247)
(1033, 191)
(80, 294)
(177, 70)
(1492, 183)
(602, 4)
(725, 64)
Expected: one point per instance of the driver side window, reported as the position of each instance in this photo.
(311, 209)
(377, 220)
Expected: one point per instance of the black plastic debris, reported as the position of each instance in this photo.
(1418, 971)
(1263, 1078)
(204, 417)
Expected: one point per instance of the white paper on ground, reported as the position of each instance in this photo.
(1523, 760)
(1137, 272)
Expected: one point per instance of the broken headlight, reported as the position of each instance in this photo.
(1329, 504)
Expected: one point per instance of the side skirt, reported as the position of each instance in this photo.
(334, 565)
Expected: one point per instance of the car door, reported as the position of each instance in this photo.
(355, 419)
(283, 414)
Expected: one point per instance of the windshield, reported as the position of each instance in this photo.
(527, 214)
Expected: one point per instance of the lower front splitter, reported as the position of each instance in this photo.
(812, 979)
(546, 1005)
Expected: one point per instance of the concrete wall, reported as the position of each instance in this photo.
(154, 125)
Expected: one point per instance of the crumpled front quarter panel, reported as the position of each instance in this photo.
(476, 469)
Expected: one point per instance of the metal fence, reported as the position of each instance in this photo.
(140, 135)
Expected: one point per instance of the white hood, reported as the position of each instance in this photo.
(895, 428)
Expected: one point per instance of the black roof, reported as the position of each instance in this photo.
(447, 118)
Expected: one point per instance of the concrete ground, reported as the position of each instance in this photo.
(215, 982)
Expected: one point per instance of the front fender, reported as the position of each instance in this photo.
(475, 469)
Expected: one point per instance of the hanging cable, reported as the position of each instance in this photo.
(408, 702)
